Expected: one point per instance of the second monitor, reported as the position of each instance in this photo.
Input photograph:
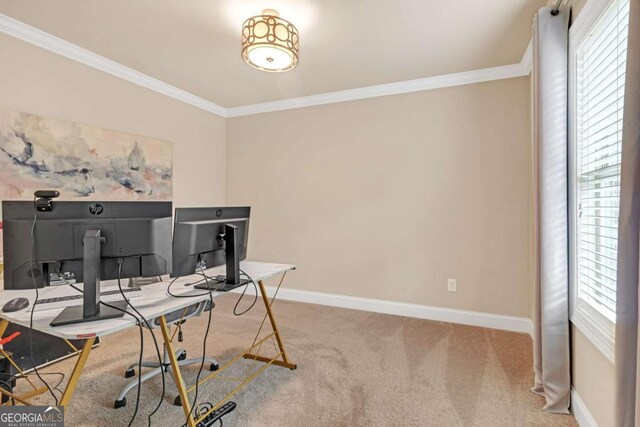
(209, 237)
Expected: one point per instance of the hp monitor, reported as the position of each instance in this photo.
(85, 242)
(209, 237)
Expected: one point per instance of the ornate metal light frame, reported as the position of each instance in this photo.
(267, 32)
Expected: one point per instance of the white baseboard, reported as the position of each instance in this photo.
(580, 411)
(472, 318)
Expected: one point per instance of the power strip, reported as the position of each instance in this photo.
(215, 415)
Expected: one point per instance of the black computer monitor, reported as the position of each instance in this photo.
(86, 242)
(208, 237)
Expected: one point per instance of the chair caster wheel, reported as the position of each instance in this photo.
(130, 373)
(214, 367)
(177, 401)
(120, 403)
(182, 356)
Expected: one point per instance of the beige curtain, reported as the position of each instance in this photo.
(551, 311)
(627, 355)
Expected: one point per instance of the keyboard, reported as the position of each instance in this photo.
(76, 299)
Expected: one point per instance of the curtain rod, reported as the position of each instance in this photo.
(556, 9)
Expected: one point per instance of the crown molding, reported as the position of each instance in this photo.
(44, 40)
(523, 68)
(408, 86)
(527, 58)
(29, 34)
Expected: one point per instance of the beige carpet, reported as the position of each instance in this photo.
(354, 369)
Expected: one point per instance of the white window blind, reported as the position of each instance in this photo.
(600, 77)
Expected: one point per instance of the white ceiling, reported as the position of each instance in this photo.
(344, 44)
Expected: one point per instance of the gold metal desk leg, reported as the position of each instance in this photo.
(184, 397)
(285, 359)
(22, 399)
(77, 371)
(4, 324)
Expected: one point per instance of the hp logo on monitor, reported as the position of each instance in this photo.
(96, 209)
(218, 213)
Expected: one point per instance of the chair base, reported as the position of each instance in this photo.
(156, 369)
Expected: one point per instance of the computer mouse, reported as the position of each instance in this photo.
(15, 305)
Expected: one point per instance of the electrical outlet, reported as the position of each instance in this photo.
(452, 285)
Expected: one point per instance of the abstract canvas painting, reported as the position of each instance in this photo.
(79, 161)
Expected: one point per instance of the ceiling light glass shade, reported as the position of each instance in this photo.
(270, 43)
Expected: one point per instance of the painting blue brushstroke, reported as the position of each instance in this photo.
(80, 161)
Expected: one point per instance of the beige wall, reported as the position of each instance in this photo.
(593, 378)
(36, 81)
(388, 197)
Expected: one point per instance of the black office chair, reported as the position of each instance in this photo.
(176, 318)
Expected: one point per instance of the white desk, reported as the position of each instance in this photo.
(154, 303)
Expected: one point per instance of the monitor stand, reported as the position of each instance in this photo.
(91, 309)
(233, 264)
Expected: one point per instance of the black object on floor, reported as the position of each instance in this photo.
(215, 415)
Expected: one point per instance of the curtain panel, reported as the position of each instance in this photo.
(551, 269)
(627, 355)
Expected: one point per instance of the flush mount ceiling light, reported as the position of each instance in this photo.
(270, 43)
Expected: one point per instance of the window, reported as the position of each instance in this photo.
(597, 74)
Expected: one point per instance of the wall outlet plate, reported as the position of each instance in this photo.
(452, 285)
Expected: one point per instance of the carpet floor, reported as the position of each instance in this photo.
(354, 369)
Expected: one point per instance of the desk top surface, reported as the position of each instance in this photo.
(152, 303)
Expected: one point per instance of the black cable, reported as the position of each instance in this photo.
(203, 408)
(62, 377)
(35, 286)
(77, 289)
(255, 298)
(182, 296)
(141, 346)
(204, 342)
(216, 289)
(204, 345)
(17, 376)
(7, 387)
(155, 343)
(255, 287)
(135, 411)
